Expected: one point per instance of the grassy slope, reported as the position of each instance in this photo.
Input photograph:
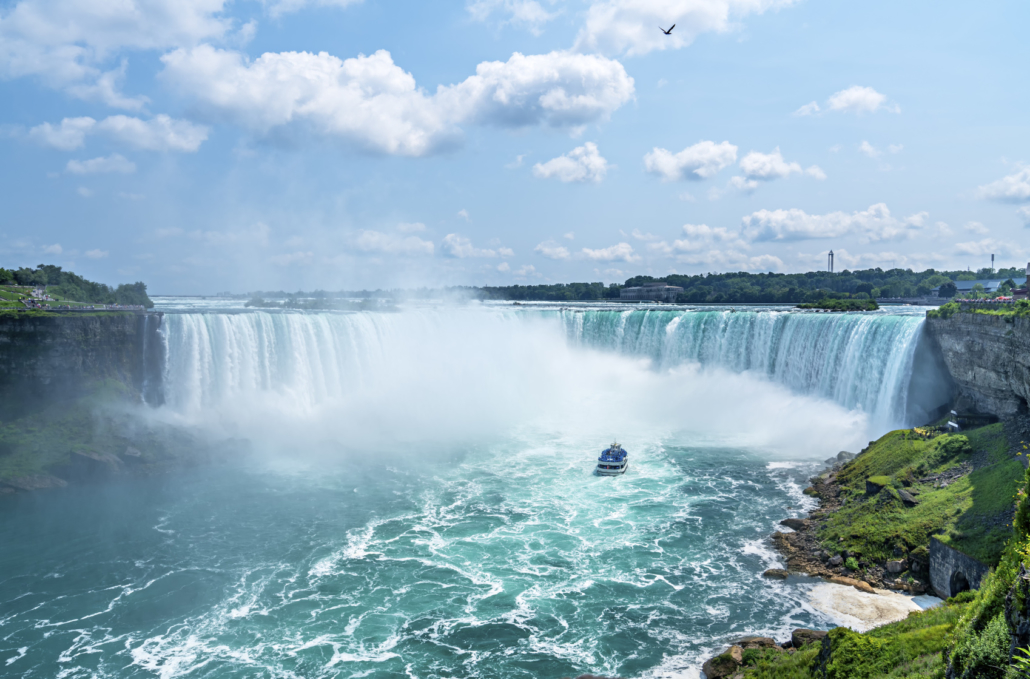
(969, 513)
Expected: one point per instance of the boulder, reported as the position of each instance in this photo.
(899, 566)
(802, 637)
(776, 574)
(845, 456)
(795, 524)
(907, 498)
(836, 560)
(724, 665)
(874, 485)
(857, 584)
(757, 642)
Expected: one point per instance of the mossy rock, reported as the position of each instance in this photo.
(874, 484)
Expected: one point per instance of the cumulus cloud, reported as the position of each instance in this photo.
(457, 246)
(631, 26)
(54, 249)
(873, 224)
(552, 250)
(700, 161)
(618, 252)
(581, 164)
(464, 214)
(815, 172)
(112, 163)
(370, 102)
(697, 238)
(279, 7)
(97, 253)
(767, 166)
(989, 246)
(977, 228)
(411, 227)
(528, 14)
(526, 270)
(392, 244)
(69, 43)
(855, 99)
(1015, 188)
(160, 133)
(504, 267)
(868, 149)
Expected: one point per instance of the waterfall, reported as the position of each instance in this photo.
(859, 361)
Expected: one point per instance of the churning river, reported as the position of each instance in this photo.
(409, 494)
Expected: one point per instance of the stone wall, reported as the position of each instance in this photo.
(51, 357)
(951, 571)
(988, 357)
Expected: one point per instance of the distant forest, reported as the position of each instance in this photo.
(742, 287)
(65, 285)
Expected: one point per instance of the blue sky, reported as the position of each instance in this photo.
(206, 145)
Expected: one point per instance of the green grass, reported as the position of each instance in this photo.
(965, 514)
(905, 649)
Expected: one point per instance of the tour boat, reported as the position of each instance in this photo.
(613, 461)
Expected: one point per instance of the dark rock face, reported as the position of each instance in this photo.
(802, 637)
(1017, 611)
(57, 356)
(988, 358)
(951, 571)
(724, 665)
(794, 524)
(776, 574)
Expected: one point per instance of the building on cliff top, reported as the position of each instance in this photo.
(654, 292)
(990, 286)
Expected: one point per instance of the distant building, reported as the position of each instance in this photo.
(963, 288)
(653, 292)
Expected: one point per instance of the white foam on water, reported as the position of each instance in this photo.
(862, 611)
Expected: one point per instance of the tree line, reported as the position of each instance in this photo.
(744, 287)
(65, 285)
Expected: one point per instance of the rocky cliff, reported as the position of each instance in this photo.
(53, 357)
(988, 357)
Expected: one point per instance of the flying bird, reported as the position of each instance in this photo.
(667, 32)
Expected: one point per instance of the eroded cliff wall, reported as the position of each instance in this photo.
(52, 357)
(988, 357)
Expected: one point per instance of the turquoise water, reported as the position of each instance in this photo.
(510, 560)
(417, 500)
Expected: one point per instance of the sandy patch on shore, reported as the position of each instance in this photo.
(862, 611)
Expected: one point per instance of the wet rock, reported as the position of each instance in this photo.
(899, 566)
(35, 482)
(776, 574)
(800, 638)
(857, 584)
(795, 524)
(836, 560)
(724, 665)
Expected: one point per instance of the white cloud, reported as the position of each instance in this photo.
(69, 135)
(873, 224)
(503, 267)
(700, 161)
(767, 166)
(160, 133)
(84, 192)
(277, 8)
(895, 148)
(989, 246)
(868, 149)
(54, 249)
(977, 228)
(526, 270)
(631, 26)
(505, 252)
(942, 230)
(411, 227)
(732, 260)
(552, 250)
(392, 244)
(815, 172)
(523, 13)
(619, 251)
(370, 102)
(462, 248)
(464, 214)
(1015, 188)
(289, 258)
(739, 183)
(699, 237)
(517, 163)
(855, 99)
(570, 235)
(1024, 214)
(70, 43)
(112, 163)
(97, 253)
(858, 99)
(581, 164)
(808, 109)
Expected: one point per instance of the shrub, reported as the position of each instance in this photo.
(851, 563)
(984, 654)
